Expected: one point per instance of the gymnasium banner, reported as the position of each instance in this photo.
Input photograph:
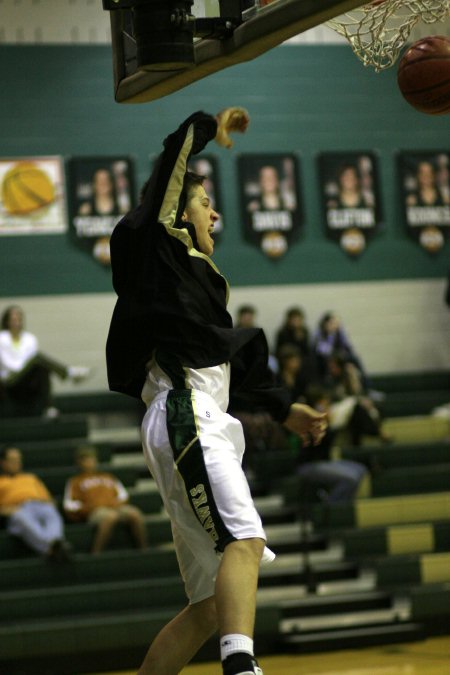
(350, 198)
(32, 193)
(206, 166)
(425, 194)
(101, 191)
(271, 213)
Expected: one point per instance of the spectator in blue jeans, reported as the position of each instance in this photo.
(29, 509)
(336, 480)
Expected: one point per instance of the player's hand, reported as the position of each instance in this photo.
(309, 424)
(230, 120)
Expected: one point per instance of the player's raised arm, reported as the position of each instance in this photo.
(230, 120)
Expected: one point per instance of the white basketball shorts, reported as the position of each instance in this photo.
(194, 452)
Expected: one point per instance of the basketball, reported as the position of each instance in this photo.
(26, 188)
(424, 75)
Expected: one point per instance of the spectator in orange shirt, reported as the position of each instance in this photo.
(100, 498)
(29, 509)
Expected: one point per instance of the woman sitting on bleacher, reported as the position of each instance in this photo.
(25, 386)
(352, 409)
(334, 480)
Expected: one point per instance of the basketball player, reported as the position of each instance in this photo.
(172, 342)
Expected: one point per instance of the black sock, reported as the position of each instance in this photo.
(238, 663)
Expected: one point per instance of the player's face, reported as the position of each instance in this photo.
(200, 213)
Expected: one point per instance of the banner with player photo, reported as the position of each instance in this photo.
(101, 192)
(206, 165)
(425, 186)
(32, 193)
(270, 203)
(350, 197)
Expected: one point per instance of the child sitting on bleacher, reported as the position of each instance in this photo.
(98, 497)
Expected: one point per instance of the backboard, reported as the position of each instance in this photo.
(261, 29)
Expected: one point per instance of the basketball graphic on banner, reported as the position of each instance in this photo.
(26, 188)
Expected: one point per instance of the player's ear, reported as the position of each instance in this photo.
(184, 216)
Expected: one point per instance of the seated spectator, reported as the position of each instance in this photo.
(336, 480)
(293, 372)
(261, 433)
(294, 331)
(245, 316)
(351, 408)
(29, 509)
(100, 498)
(25, 387)
(331, 338)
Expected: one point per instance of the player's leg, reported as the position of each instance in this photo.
(221, 498)
(209, 500)
(236, 591)
(180, 640)
(236, 587)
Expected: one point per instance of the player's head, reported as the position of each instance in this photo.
(196, 208)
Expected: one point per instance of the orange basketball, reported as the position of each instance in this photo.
(26, 188)
(424, 75)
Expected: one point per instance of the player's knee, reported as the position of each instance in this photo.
(251, 548)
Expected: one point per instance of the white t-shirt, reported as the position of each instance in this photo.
(14, 354)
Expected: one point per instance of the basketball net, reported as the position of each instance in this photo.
(378, 30)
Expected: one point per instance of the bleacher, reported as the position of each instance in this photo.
(372, 572)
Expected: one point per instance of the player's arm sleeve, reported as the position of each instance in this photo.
(267, 396)
(162, 197)
(253, 385)
(161, 202)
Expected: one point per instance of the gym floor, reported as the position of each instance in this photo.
(431, 657)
